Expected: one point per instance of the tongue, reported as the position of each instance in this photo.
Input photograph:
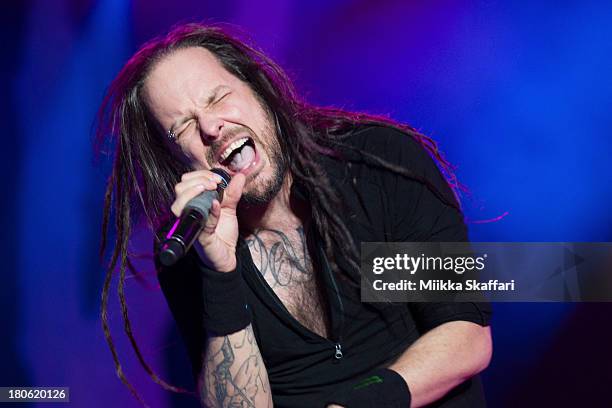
(242, 159)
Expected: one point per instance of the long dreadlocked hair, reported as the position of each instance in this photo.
(144, 172)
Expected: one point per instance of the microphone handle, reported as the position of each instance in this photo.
(183, 233)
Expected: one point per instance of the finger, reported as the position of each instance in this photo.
(202, 173)
(183, 199)
(185, 185)
(213, 218)
(233, 192)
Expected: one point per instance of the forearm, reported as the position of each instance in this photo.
(234, 373)
(443, 358)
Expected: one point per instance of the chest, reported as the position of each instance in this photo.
(284, 260)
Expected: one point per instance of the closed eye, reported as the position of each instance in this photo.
(185, 127)
(221, 98)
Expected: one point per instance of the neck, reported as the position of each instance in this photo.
(284, 212)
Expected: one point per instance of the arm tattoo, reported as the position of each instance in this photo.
(287, 261)
(235, 375)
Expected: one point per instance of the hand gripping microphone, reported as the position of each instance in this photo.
(188, 226)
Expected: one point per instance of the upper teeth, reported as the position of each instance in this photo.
(238, 143)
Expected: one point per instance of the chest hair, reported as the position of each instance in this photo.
(283, 259)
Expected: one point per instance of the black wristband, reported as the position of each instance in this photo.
(379, 388)
(225, 306)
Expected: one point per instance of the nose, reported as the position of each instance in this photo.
(210, 127)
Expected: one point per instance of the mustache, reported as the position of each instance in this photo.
(215, 148)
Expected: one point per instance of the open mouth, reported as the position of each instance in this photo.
(239, 155)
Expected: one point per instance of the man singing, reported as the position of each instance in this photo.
(267, 301)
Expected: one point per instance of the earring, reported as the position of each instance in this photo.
(171, 136)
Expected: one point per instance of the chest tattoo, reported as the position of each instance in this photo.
(283, 259)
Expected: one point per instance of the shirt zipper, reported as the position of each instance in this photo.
(338, 354)
(327, 269)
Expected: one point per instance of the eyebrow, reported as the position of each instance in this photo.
(211, 97)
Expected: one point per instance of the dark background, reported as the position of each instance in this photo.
(517, 93)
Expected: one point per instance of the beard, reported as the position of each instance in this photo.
(263, 191)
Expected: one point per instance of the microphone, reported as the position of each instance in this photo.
(188, 226)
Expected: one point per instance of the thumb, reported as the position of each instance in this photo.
(233, 192)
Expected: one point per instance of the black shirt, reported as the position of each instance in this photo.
(303, 367)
